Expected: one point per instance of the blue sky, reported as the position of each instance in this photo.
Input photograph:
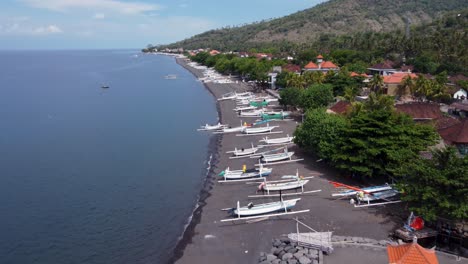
(85, 24)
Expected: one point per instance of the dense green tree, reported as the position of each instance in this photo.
(319, 132)
(436, 187)
(378, 139)
(291, 96)
(316, 96)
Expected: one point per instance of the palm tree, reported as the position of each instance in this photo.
(407, 85)
(423, 87)
(376, 83)
(295, 80)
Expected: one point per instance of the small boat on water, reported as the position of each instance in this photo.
(170, 77)
(105, 86)
(212, 127)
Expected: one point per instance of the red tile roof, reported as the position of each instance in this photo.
(384, 65)
(398, 77)
(445, 122)
(411, 254)
(320, 56)
(328, 65)
(456, 134)
(340, 107)
(311, 65)
(214, 52)
(420, 110)
(354, 74)
(292, 68)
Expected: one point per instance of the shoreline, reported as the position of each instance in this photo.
(207, 185)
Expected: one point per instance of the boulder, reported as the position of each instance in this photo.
(280, 255)
(265, 262)
(286, 248)
(285, 240)
(315, 261)
(292, 250)
(276, 243)
(283, 262)
(277, 251)
(292, 261)
(304, 260)
(262, 258)
(298, 255)
(276, 261)
(287, 256)
(262, 254)
(270, 257)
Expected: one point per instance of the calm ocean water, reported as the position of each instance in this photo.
(92, 175)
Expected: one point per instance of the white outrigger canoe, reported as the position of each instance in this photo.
(258, 209)
(244, 151)
(276, 157)
(254, 113)
(259, 130)
(211, 127)
(282, 186)
(244, 108)
(278, 141)
(241, 175)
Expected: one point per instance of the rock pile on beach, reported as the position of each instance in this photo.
(286, 252)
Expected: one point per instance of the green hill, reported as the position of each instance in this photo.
(332, 18)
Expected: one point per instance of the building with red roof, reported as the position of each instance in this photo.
(321, 65)
(384, 68)
(420, 111)
(394, 81)
(292, 68)
(214, 52)
(411, 253)
(456, 135)
(340, 107)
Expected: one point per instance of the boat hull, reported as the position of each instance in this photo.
(277, 157)
(265, 208)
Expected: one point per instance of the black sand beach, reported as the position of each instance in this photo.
(207, 240)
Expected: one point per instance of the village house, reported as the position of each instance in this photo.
(456, 135)
(393, 83)
(420, 111)
(341, 107)
(292, 68)
(385, 68)
(214, 52)
(321, 65)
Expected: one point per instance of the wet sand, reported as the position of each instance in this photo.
(207, 240)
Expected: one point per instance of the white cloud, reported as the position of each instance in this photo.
(110, 5)
(50, 29)
(99, 16)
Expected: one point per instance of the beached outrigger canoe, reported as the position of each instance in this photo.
(370, 196)
(243, 152)
(244, 175)
(259, 130)
(277, 141)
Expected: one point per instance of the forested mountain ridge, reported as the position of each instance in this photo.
(334, 17)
